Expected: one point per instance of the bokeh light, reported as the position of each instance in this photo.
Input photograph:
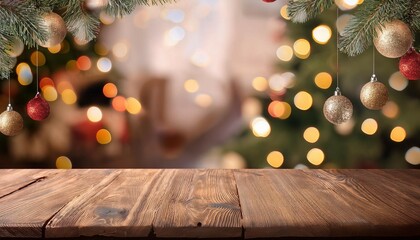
(63, 85)
(398, 134)
(133, 105)
(233, 160)
(390, 110)
(279, 82)
(104, 64)
(46, 81)
(323, 80)
(118, 103)
(191, 85)
(49, 93)
(284, 53)
(346, 5)
(321, 34)
(283, 12)
(251, 108)
(83, 63)
(24, 72)
(315, 156)
(302, 48)
(369, 126)
(311, 134)
(105, 18)
(37, 58)
(275, 159)
(203, 100)
(260, 127)
(103, 136)
(120, 50)
(303, 100)
(174, 36)
(63, 162)
(342, 22)
(55, 49)
(68, 96)
(346, 127)
(279, 109)
(260, 84)
(397, 81)
(412, 156)
(100, 49)
(110, 90)
(200, 58)
(94, 114)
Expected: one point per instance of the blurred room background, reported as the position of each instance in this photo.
(209, 84)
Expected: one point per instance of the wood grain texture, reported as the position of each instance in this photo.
(14, 179)
(199, 203)
(325, 203)
(23, 213)
(123, 207)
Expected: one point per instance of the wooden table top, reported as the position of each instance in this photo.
(209, 203)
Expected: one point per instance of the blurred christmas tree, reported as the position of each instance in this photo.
(292, 129)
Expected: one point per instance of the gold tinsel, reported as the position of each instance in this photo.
(11, 123)
(338, 109)
(56, 29)
(394, 39)
(374, 95)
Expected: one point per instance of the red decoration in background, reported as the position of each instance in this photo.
(410, 65)
(269, 1)
(37, 108)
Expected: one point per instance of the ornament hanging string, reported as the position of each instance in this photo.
(37, 66)
(373, 60)
(336, 32)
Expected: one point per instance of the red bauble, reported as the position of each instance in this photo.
(269, 1)
(410, 65)
(37, 108)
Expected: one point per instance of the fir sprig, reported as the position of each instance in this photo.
(359, 33)
(303, 10)
(23, 20)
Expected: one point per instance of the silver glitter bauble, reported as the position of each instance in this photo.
(374, 94)
(394, 39)
(56, 29)
(11, 122)
(337, 108)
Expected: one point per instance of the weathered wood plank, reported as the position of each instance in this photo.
(321, 203)
(123, 208)
(199, 203)
(13, 179)
(23, 213)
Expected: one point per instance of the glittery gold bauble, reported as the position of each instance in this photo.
(394, 39)
(15, 48)
(56, 29)
(11, 122)
(338, 109)
(374, 95)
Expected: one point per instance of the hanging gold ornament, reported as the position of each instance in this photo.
(374, 94)
(338, 108)
(11, 122)
(56, 29)
(394, 39)
(15, 48)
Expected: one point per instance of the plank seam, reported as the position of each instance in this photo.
(239, 204)
(44, 226)
(25, 186)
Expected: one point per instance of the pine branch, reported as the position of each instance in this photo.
(81, 24)
(6, 61)
(302, 10)
(358, 34)
(118, 8)
(22, 19)
(413, 16)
